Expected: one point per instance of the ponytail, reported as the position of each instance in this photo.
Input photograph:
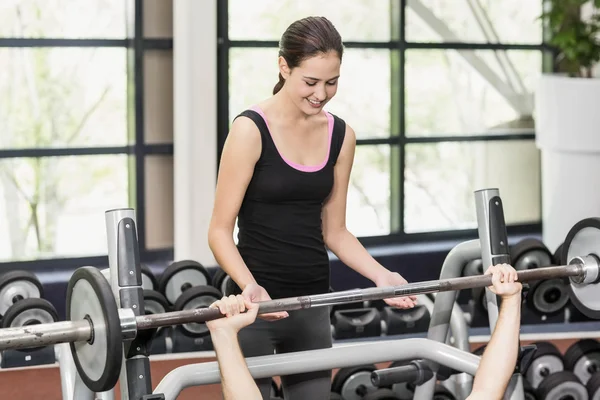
(279, 84)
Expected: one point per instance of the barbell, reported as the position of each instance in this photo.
(96, 328)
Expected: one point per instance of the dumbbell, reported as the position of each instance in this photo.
(530, 253)
(593, 386)
(18, 285)
(562, 385)
(180, 276)
(222, 281)
(156, 303)
(194, 336)
(149, 281)
(583, 359)
(27, 312)
(546, 360)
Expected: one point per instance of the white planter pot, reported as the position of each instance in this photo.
(568, 135)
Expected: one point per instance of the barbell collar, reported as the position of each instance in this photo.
(45, 334)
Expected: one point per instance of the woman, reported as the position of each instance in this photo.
(284, 174)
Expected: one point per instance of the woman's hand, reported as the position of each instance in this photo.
(390, 278)
(256, 293)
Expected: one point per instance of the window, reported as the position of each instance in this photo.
(440, 95)
(78, 136)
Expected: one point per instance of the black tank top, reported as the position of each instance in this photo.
(280, 229)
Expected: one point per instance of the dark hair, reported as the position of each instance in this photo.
(306, 38)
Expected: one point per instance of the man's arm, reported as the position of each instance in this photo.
(236, 381)
(499, 359)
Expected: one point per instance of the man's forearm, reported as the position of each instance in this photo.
(500, 357)
(236, 381)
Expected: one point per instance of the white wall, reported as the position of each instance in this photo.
(195, 125)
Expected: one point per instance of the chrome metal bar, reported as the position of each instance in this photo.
(32, 336)
(358, 295)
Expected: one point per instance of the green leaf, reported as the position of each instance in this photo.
(597, 3)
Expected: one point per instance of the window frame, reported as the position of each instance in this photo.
(137, 45)
(398, 45)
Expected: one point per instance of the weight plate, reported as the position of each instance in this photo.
(155, 302)
(180, 276)
(354, 383)
(546, 361)
(557, 256)
(530, 253)
(17, 285)
(548, 297)
(222, 281)
(562, 385)
(582, 240)
(197, 297)
(98, 361)
(148, 279)
(583, 358)
(593, 386)
(27, 312)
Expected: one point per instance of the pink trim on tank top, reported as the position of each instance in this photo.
(300, 167)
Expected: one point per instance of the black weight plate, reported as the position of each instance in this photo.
(583, 239)
(530, 253)
(593, 386)
(19, 313)
(583, 358)
(197, 297)
(30, 311)
(149, 281)
(546, 360)
(221, 281)
(16, 285)
(548, 297)
(155, 302)
(180, 276)
(557, 256)
(347, 380)
(89, 296)
(562, 385)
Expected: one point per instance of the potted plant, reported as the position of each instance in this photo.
(567, 115)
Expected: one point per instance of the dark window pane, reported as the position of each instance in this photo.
(474, 21)
(54, 206)
(63, 97)
(72, 19)
(356, 20)
(365, 107)
(440, 180)
(467, 92)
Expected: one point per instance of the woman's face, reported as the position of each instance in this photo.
(313, 83)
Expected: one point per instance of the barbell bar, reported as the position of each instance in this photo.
(582, 269)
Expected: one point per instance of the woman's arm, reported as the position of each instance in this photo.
(343, 243)
(240, 153)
